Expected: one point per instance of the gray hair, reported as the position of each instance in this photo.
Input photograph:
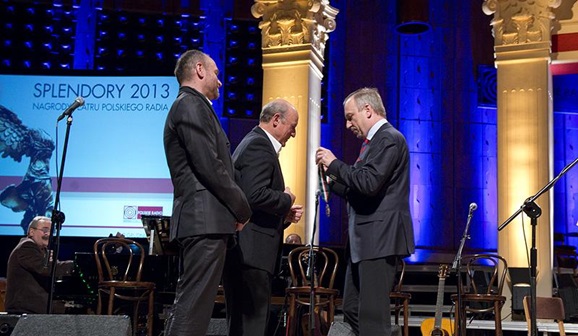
(34, 222)
(273, 107)
(367, 96)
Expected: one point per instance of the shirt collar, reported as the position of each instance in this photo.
(374, 128)
(276, 144)
(207, 98)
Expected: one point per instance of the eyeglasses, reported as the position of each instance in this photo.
(45, 230)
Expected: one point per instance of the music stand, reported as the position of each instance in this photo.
(157, 229)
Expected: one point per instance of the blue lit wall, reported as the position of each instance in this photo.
(566, 153)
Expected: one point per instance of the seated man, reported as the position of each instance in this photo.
(293, 238)
(28, 280)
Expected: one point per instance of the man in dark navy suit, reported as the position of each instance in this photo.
(251, 264)
(376, 188)
(208, 206)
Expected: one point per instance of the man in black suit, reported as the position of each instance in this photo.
(208, 205)
(251, 264)
(376, 188)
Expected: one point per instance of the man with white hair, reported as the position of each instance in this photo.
(28, 279)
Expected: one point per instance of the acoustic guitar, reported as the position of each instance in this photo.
(438, 326)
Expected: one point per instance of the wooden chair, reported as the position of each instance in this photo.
(400, 299)
(551, 308)
(485, 277)
(119, 263)
(324, 270)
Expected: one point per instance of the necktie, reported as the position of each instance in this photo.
(363, 147)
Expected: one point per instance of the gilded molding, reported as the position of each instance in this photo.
(294, 22)
(521, 21)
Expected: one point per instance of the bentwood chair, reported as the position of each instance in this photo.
(482, 294)
(322, 272)
(119, 263)
(400, 299)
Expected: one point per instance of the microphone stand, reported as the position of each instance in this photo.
(57, 220)
(532, 210)
(457, 266)
(311, 270)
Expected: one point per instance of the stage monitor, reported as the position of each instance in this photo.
(115, 170)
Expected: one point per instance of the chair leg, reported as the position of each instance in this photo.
(460, 317)
(151, 313)
(498, 315)
(111, 301)
(135, 317)
(289, 331)
(405, 318)
(331, 311)
(99, 304)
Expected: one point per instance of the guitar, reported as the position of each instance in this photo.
(438, 326)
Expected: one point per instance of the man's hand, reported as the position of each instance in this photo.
(324, 156)
(240, 226)
(288, 192)
(294, 215)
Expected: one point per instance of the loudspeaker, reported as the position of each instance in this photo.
(339, 328)
(73, 325)
(569, 297)
(217, 327)
(518, 293)
(7, 323)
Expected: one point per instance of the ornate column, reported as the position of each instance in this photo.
(294, 35)
(522, 33)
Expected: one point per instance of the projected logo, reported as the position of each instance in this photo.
(133, 212)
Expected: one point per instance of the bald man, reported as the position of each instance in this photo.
(251, 264)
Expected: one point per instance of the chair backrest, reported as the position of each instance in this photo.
(118, 259)
(551, 308)
(486, 274)
(400, 273)
(323, 269)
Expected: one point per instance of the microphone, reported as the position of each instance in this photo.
(78, 102)
(473, 207)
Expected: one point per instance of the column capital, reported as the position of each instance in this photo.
(288, 23)
(521, 22)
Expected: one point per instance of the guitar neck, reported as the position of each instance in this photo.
(439, 303)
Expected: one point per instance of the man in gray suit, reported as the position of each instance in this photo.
(251, 264)
(208, 205)
(376, 188)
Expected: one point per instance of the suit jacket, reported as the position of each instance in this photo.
(206, 198)
(28, 281)
(259, 174)
(377, 192)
